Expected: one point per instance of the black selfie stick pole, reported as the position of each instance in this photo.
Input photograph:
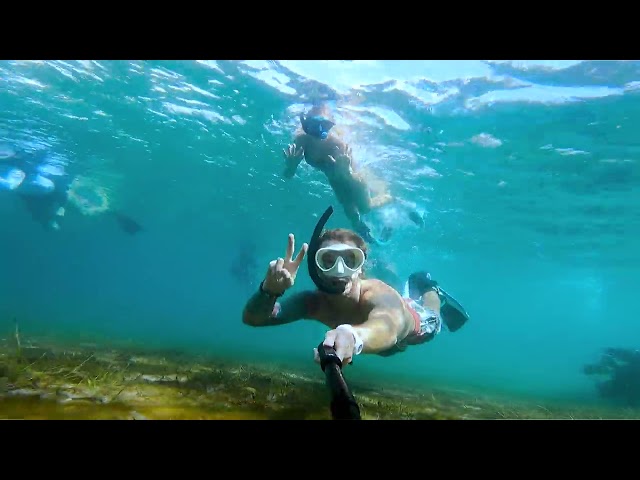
(343, 405)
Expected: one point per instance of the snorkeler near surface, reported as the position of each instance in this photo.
(46, 189)
(318, 143)
(364, 315)
(620, 368)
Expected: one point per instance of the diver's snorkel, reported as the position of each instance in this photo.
(317, 126)
(314, 245)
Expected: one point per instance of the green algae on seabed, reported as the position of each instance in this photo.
(45, 380)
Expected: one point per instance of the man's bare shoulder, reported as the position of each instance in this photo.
(297, 306)
(308, 303)
(378, 292)
(300, 138)
(374, 284)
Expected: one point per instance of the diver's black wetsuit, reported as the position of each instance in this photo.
(42, 192)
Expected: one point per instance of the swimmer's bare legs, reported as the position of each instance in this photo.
(380, 200)
(361, 193)
(352, 213)
(431, 300)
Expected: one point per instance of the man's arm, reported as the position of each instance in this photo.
(292, 160)
(263, 310)
(385, 326)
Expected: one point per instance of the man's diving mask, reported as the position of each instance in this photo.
(340, 260)
(316, 126)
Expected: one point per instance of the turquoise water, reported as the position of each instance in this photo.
(527, 172)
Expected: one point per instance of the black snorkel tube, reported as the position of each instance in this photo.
(343, 406)
(314, 245)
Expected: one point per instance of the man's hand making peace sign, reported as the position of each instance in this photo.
(281, 274)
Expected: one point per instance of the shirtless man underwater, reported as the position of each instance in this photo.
(363, 315)
(325, 150)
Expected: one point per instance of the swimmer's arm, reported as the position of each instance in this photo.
(293, 162)
(385, 325)
(264, 311)
(292, 166)
(344, 155)
(300, 140)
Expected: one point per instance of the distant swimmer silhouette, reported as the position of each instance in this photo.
(244, 264)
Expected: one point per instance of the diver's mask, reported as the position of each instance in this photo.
(340, 260)
(316, 126)
(333, 262)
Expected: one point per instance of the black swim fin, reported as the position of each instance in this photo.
(453, 314)
(416, 218)
(127, 224)
(385, 234)
(365, 232)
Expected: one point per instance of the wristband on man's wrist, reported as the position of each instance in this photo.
(267, 293)
(359, 344)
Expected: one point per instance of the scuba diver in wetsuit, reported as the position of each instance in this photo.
(43, 185)
(363, 315)
(323, 149)
(39, 180)
(619, 372)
